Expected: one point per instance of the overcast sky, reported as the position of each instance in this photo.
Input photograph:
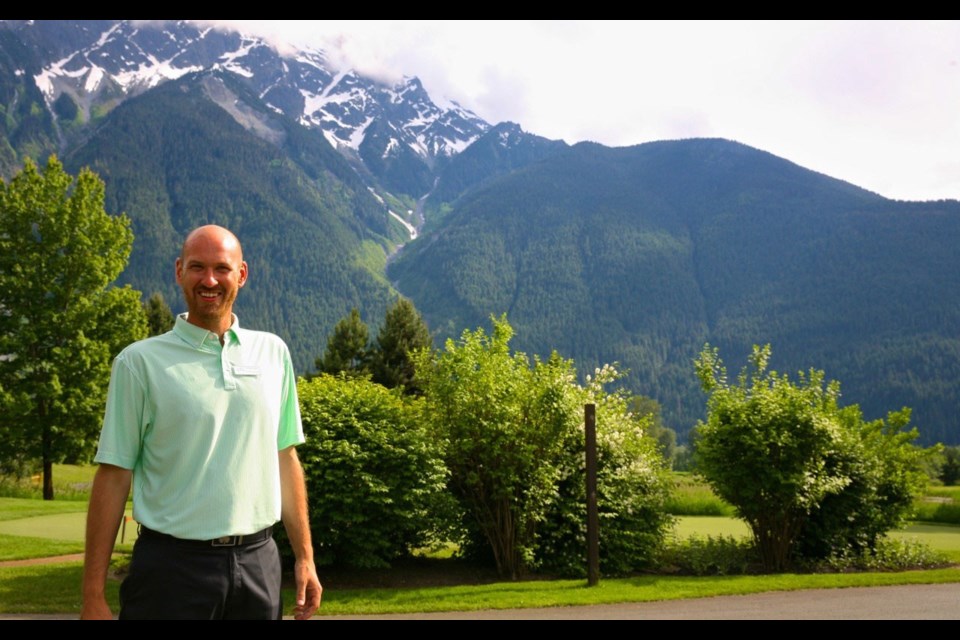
(876, 103)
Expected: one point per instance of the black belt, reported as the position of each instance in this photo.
(222, 541)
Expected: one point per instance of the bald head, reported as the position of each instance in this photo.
(211, 271)
(211, 233)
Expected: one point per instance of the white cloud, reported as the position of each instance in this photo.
(870, 102)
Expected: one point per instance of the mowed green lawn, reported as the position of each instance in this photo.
(68, 520)
(31, 528)
(940, 537)
(56, 588)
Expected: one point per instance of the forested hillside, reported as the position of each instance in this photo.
(27, 126)
(641, 255)
(314, 237)
(502, 149)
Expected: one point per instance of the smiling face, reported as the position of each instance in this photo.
(211, 270)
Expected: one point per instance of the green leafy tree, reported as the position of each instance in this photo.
(159, 316)
(376, 479)
(513, 438)
(347, 347)
(883, 471)
(632, 488)
(809, 477)
(403, 333)
(61, 322)
(502, 436)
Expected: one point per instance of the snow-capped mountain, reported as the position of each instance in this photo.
(97, 64)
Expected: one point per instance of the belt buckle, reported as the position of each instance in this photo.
(226, 541)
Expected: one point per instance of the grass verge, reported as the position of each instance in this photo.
(56, 589)
(17, 508)
(558, 593)
(22, 548)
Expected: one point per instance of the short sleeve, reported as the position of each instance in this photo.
(290, 430)
(123, 419)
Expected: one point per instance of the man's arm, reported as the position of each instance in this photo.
(108, 499)
(297, 523)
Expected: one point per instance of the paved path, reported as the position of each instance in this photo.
(49, 560)
(910, 602)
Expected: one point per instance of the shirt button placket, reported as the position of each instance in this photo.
(226, 368)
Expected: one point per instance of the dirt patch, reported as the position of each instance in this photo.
(51, 560)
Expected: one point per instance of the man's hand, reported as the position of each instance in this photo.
(96, 609)
(309, 590)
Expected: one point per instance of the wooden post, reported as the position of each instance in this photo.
(593, 517)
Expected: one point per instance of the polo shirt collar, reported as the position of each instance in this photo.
(196, 336)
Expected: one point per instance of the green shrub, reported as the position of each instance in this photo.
(632, 489)
(375, 479)
(729, 555)
(709, 556)
(889, 554)
(514, 444)
(811, 478)
(503, 424)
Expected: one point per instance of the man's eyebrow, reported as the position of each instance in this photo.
(216, 263)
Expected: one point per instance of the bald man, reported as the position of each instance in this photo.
(203, 421)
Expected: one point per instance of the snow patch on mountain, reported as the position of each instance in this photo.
(412, 230)
(133, 56)
(393, 144)
(150, 75)
(231, 60)
(358, 134)
(45, 78)
(93, 79)
(456, 146)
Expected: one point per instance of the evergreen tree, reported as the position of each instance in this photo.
(61, 321)
(159, 316)
(666, 437)
(950, 469)
(403, 332)
(347, 350)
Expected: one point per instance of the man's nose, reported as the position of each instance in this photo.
(209, 279)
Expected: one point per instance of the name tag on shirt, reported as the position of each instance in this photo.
(246, 370)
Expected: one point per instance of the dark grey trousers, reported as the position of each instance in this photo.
(171, 580)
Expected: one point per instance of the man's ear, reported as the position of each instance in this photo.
(178, 270)
(243, 274)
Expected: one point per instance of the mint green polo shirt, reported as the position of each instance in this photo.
(200, 425)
